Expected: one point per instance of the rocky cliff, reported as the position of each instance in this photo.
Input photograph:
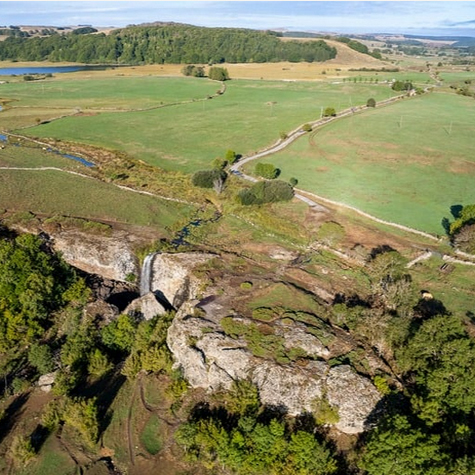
(108, 256)
(212, 359)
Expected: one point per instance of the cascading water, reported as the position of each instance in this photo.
(146, 274)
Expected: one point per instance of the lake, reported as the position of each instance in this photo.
(19, 71)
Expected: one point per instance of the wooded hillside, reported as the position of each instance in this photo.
(166, 44)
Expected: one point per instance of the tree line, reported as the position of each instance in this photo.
(165, 44)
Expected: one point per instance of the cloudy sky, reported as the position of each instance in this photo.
(416, 17)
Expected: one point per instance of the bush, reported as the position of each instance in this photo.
(293, 181)
(192, 70)
(207, 178)
(266, 192)
(401, 86)
(246, 285)
(307, 128)
(41, 357)
(231, 156)
(266, 170)
(218, 74)
(371, 102)
(329, 112)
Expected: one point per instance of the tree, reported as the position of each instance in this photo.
(266, 192)
(371, 102)
(329, 112)
(397, 448)
(306, 127)
(402, 86)
(231, 156)
(119, 334)
(207, 178)
(218, 74)
(41, 357)
(266, 170)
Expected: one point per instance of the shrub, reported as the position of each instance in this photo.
(266, 170)
(307, 128)
(218, 74)
(266, 192)
(207, 178)
(41, 357)
(231, 156)
(329, 112)
(246, 285)
(219, 163)
(293, 181)
(371, 102)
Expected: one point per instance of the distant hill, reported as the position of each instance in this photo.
(167, 43)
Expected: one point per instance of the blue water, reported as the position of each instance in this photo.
(78, 159)
(4, 138)
(47, 69)
(72, 157)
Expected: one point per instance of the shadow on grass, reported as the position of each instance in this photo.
(105, 390)
(12, 414)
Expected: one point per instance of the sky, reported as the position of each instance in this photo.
(455, 18)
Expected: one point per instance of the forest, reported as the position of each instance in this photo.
(165, 44)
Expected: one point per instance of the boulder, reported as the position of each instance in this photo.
(146, 307)
(172, 277)
(45, 383)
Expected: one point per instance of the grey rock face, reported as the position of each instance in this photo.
(172, 276)
(355, 397)
(146, 306)
(212, 360)
(109, 257)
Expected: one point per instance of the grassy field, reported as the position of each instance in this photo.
(249, 116)
(407, 163)
(110, 93)
(55, 192)
(12, 156)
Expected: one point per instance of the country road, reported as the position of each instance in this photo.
(297, 133)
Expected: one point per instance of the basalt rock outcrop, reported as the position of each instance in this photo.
(110, 257)
(211, 359)
(172, 278)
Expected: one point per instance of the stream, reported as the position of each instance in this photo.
(4, 138)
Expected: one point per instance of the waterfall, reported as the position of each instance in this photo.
(146, 274)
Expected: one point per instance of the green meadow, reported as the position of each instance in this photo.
(52, 192)
(407, 163)
(108, 93)
(248, 117)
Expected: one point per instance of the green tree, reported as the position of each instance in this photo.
(329, 112)
(207, 178)
(119, 335)
(41, 357)
(397, 448)
(370, 102)
(218, 74)
(231, 157)
(266, 170)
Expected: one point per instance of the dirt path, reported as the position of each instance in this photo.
(301, 194)
(130, 442)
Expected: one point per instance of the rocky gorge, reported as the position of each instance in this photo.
(213, 343)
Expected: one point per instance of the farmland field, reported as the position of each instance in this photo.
(249, 116)
(407, 163)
